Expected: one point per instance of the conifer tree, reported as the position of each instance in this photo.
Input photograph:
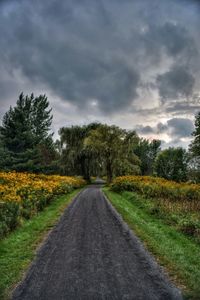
(194, 149)
(24, 129)
(195, 145)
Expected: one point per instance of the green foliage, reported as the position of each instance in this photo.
(9, 217)
(194, 149)
(195, 145)
(26, 143)
(147, 153)
(171, 164)
(76, 159)
(114, 148)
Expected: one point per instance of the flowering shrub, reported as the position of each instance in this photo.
(24, 194)
(178, 204)
(154, 187)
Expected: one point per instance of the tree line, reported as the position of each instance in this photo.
(26, 144)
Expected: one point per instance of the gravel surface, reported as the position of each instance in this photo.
(92, 254)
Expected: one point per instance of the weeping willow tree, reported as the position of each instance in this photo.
(76, 159)
(114, 148)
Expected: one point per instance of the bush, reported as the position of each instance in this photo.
(25, 194)
(154, 187)
(9, 216)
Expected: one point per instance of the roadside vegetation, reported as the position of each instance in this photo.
(25, 194)
(176, 251)
(19, 248)
(176, 203)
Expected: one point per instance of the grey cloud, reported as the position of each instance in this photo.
(110, 53)
(85, 50)
(74, 56)
(144, 129)
(176, 128)
(176, 39)
(176, 83)
(161, 128)
(180, 127)
(175, 143)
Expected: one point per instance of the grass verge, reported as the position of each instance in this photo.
(19, 249)
(179, 254)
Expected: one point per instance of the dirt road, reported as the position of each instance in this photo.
(91, 254)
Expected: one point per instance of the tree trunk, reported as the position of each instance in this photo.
(109, 172)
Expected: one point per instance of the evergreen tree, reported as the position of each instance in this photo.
(24, 129)
(195, 145)
(194, 150)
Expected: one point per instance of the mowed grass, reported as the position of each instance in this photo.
(179, 254)
(19, 249)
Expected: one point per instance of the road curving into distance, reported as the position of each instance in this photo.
(92, 254)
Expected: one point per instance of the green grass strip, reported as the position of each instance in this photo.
(179, 254)
(19, 249)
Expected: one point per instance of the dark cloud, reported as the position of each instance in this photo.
(144, 129)
(176, 39)
(176, 83)
(180, 127)
(176, 128)
(99, 55)
(70, 48)
(161, 128)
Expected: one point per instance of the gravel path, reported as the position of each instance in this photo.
(91, 254)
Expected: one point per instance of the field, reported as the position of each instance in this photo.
(176, 203)
(22, 195)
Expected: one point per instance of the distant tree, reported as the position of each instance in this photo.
(195, 145)
(194, 150)
(171, 164)
(147, 152)
(75, 158)
(114, 149)
(25, 129)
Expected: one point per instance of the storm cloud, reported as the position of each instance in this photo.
(124, 62)
(178, 131)
(176, 83)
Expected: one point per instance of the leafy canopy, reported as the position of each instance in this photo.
(171, 164)
(114, 148)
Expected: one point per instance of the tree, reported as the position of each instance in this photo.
(25, 128)
(147, 152)
(195, 145)
(171, 164)
(75, 158)
(4, 155)
(114, 148)
(194, 150)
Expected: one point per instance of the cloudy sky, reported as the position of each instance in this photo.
(133, 63)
